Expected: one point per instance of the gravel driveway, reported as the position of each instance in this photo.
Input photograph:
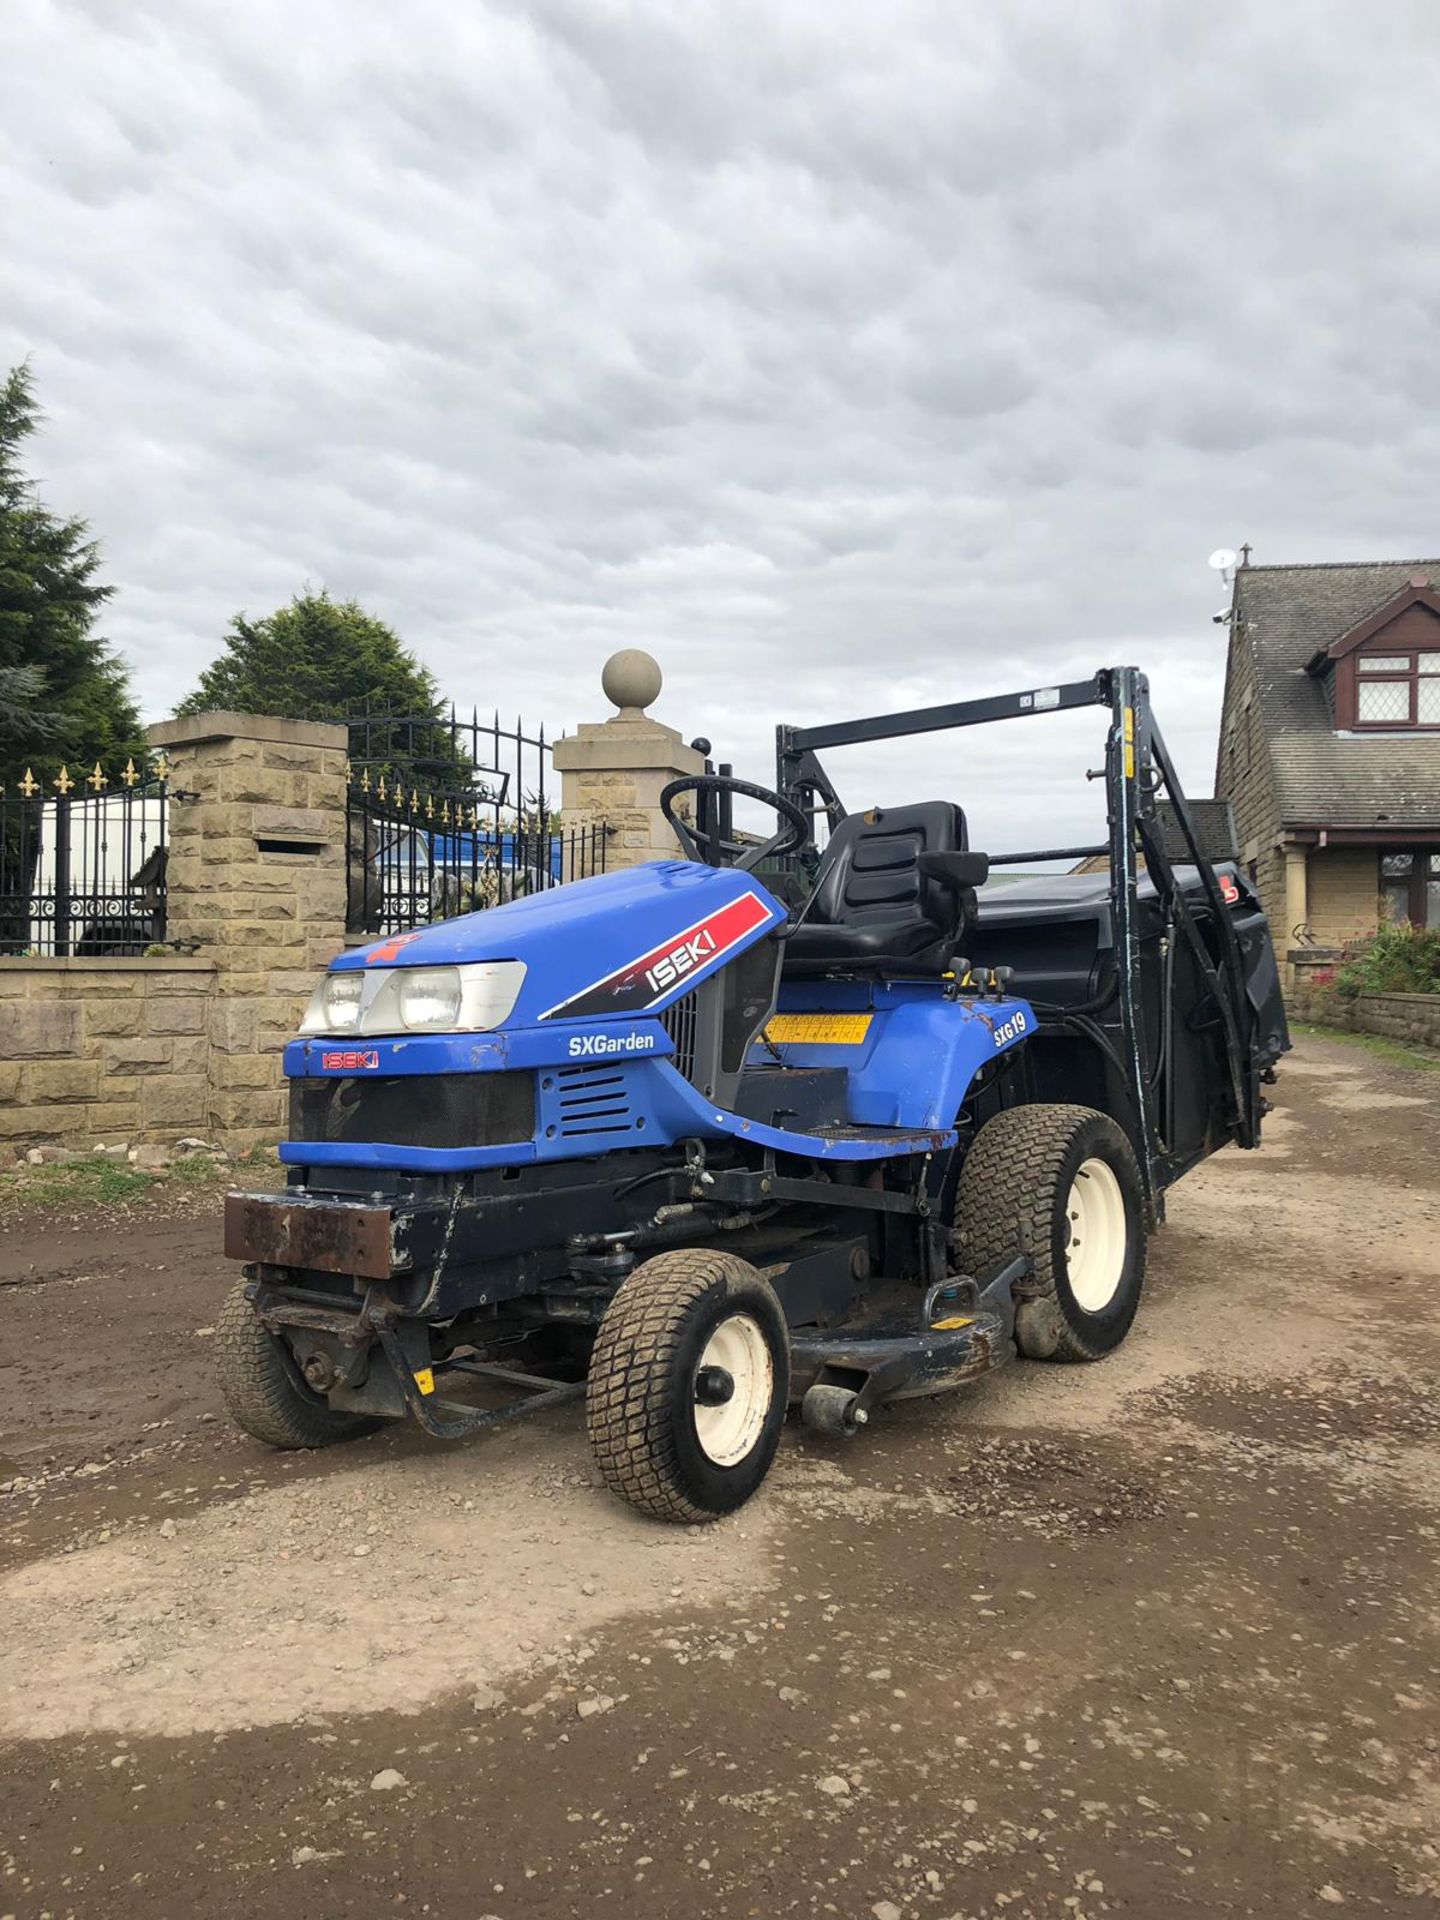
(1156, 1637)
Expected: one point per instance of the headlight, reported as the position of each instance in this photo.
(488, 992)
(470, 999)
(429, 998)
(334, 1005)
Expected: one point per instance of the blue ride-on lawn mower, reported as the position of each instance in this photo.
(695, 1145)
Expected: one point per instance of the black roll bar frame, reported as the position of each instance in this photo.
(1138, 768)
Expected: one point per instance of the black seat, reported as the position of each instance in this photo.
(878, 907)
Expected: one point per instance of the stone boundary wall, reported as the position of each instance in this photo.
(98, 1052)
(1412, 1017)
(149, 1051)
(154, 1050)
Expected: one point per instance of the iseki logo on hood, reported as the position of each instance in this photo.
(681, 960)
(645, 981)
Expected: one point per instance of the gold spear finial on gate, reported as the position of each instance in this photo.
(29, 786)
(62, 781)
(162, 766)
(130, 776)
(97, 779)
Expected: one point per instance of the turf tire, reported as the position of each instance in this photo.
(640, 1407)
(1012, 1196)
(262, 1388)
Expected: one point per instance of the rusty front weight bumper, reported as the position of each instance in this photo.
(328, 1236)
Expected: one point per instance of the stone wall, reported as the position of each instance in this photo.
(95, 1052)
(1411, 1017)
(150, 1051)
(1242, 777)
(1331, 892)
(1344, 891)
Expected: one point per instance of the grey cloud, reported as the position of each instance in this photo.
(848, 357)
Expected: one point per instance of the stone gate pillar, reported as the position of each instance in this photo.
(255, 879)
(612, 771)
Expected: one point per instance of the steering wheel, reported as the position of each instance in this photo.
(707, 847)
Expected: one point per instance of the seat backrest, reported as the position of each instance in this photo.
(870, 870)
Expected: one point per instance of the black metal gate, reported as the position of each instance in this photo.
(447, 816)
(82, 861)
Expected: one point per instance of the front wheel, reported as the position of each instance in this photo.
(688, 1385)
(1061, 1184)
(263, 1389)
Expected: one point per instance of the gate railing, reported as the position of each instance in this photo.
(447, 816)
(444, 816)
(82, 861)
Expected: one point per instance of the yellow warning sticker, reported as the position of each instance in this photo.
(951, 1325)
(425, 1379)
(818, 1029)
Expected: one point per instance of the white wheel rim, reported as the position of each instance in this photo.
(1095, 1253)
(729, 1431)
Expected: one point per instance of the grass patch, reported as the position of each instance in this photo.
(98, 1184)
(1396, 1053)
(103, 1183)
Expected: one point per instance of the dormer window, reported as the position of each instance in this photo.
(1383, 676)
(1398, 689)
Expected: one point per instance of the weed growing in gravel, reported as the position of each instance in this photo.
(198, 1169)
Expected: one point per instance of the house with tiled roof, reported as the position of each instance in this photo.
(1330, 746)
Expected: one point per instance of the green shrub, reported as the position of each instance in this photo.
(1394, 959)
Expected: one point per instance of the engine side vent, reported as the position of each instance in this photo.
(593, 1101)
(678, 1020)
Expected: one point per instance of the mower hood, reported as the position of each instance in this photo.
(617, 945)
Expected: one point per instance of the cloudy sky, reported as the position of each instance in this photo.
(849, 357)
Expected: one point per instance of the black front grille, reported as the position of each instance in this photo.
(678, 1020)
(416, 1110)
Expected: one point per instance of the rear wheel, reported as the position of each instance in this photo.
(1060, 1183)
(262, 1387)
(688, 1385)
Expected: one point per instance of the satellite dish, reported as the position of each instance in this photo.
(1222, 560)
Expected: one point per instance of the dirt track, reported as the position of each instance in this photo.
(1156, 1637)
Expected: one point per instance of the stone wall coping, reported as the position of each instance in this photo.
(196, 728)
(50, 963)
(1409, 999)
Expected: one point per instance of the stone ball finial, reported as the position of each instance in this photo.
(631, 679)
